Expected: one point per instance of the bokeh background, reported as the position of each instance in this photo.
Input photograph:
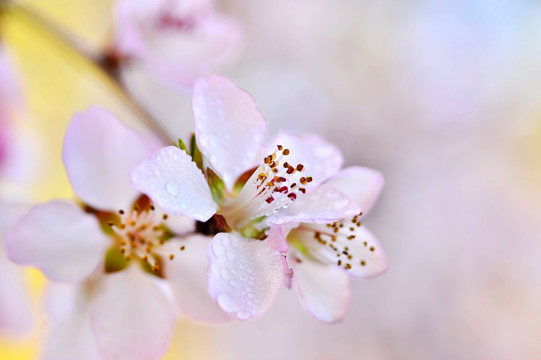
(442, 96)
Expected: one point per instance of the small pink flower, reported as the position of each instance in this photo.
(279, 187)
(16, 313)
(324, 256)
(9, 101)
(19, 161)
(177, 40)
(123, 311)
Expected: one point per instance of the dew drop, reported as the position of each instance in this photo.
(218, 250)
(226, 303)
(225, 274)
(241, 315)
(172, 187)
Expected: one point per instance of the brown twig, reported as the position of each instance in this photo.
(108, 62)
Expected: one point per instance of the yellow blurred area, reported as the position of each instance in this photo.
(89, 21)
(58, 82)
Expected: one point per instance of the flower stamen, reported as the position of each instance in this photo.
(139, 233)
(336, 236)
(272, 186)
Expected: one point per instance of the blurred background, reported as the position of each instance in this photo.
(443, 97)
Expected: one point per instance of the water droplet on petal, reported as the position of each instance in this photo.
(241, 315)
(225, 274)
(172, 187)
(226, 303)
(218, 250)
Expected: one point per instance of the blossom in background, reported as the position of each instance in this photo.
(16, 314)
(19, 161)
(120, 254)
(240, 191)
(324, 255)
(175, 39)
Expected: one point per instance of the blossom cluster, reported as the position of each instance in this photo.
(210, 227)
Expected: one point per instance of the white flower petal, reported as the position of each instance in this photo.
(178, 224)
(323, 289)
(228, 125)
(277, 240)
(60, 239)
(323, 204)
(132, 318)
(16, 313)
(353, 247)
(173, 181)
(98, 153)
(10, 213)
(372, 253)
(187, 275)
(244, 274)
(360, 184)
(320, 158)
(69, 335)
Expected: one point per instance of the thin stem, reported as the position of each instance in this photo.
(108, 63)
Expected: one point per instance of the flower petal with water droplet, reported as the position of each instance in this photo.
(321, 205)
(172, 180)
(243, 285)
(228, 125)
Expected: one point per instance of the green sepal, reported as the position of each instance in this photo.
(252, 232)
(197, 157)
(114, 260)
(182, 146)
(217, 186)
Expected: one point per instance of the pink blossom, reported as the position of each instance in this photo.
(281, 186)
(19, 160)
(176, 40)
(16, 313)
(9, 101)
(324, 256)
(109, 251)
